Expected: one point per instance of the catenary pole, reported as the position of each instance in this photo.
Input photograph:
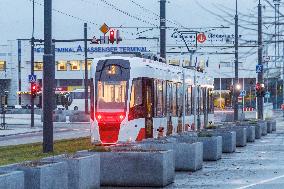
(260, 75)
(163, 28)
(48, 80)
(236, 107)
(86, 67)
(32, 65)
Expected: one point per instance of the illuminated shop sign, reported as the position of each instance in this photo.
(95, 49)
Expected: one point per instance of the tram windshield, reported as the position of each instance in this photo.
(111, 96)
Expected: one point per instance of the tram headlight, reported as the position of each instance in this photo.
(99, 117)
(121, 117)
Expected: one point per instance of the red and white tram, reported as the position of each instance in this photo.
(133, 98)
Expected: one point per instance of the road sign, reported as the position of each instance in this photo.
(32, 78)
(95, 40)
(201, 37)
(266, 58)
(104, 28)
(104, 39)
(267, 95)
(243, 93)
(259, 68)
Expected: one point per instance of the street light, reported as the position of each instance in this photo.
(238, 87)
(236, 108)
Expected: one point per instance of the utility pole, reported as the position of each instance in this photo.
(32, 67)
(48, 79)
(260, 75)
(236, 106)
(163, 28)
(276, 45)
(86, 68)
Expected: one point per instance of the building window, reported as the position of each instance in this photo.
(89, 64)
(61, 66)
(38, 66)
(2, 65)
(75, 65)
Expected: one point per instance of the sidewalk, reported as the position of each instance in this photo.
(18, 131)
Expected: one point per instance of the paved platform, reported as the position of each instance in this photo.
(256, 166)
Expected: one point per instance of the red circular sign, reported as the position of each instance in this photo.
(201, 38)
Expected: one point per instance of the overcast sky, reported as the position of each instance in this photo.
(15, 15)
(69, 16)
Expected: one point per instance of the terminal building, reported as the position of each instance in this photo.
(15, 66)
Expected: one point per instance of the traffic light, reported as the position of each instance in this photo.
(112, 36)
(259, 88)
(34, 89)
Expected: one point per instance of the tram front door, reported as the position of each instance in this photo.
(149, 101)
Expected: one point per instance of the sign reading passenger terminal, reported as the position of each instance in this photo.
(103, 49)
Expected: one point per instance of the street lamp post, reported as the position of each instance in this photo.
(48, 79)
(260, 75)
(236, 107)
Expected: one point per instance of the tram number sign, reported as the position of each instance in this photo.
(201, 38)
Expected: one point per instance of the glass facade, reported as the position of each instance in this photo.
(2, 65)
(61, 65)
(38, 66)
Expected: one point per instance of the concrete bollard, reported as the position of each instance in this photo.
(228, 140)
(188, 156)
(212, 146)
(241, 134)
(79, 116)
(41, 174)
(273, 125)
(269, 126)
(83, 169)
(263, 125)
(250, 132)
(132, 167)
(258, 131)
(11, 179)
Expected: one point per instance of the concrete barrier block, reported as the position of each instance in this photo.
(137, 168)
(212, 146)
(250, 133)
(273, 125)
(241, 134)
(83, 170)
(228, 140)
(269, 126)
(263, 125)
(11, 179)
(42, 175)
(258, 131)
(79, 116)
(58, 116)
(188, 156)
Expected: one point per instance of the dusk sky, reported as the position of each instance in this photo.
(69, 16)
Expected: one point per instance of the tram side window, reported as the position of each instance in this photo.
(189, 100)
(204, 100)
(136, 100)
(211, 101)
(198, 99)
(174, 100)
(169, 99)
(159, 99)
(201, 106)
(179, 99)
